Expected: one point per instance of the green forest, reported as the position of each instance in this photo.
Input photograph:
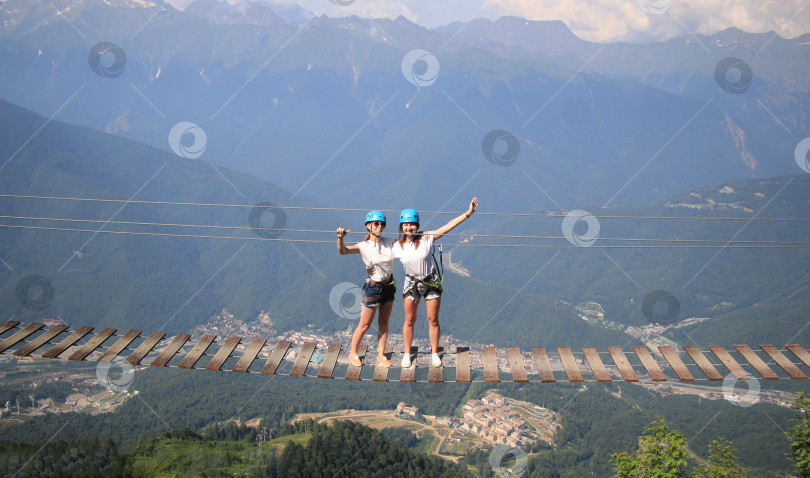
(598, 420)
(344, 448)
(306, 450)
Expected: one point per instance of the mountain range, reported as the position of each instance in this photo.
(322, 108)
(158, 166)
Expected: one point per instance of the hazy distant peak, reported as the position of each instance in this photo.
(131, 3)
(241, 12)
(292, 13)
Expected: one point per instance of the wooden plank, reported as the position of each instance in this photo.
(491, 365)
(145, 347)
(620, 359)
(380, 372)
(703, 363)
(570, 364)
(763, 370)
(71, 339)
(731, 364)
(20, 335)
(223, 353)
(329, 360)
(543, 364)
(119, 346)
(8, 325)
(676, 363)
(38, 342)
(516, 364)
(409, 373)
(800, 353)
(648, 361)
(435, 373)
(276, 357)
(249, 356)
(302, 362)
(598, 368)
(199, 349)
(353, 372)
(177, 342)
(92, 344)
(783, 362)
(463, 364)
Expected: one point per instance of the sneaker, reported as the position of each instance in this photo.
(406, 361)
(435, 360)
(383, 362)
(355, 360)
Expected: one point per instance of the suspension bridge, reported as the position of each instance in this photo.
(471, 364)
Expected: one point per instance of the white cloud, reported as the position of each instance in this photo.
(600, 20)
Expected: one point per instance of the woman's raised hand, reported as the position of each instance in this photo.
(342, 232)
(473, 206)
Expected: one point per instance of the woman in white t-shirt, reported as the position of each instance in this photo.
(414, 249)
(379, 289)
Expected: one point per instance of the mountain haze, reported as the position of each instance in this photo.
(322, 107)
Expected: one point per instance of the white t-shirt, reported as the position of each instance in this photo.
(378, 255)
(418, 262)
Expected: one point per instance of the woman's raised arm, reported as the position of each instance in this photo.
(456, 221)
(342, 247)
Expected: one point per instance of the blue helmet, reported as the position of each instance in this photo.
(375, 216)
(408, 215)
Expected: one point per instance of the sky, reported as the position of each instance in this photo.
(592, 20)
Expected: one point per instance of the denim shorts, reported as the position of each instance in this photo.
(415, 290)
(378, 294)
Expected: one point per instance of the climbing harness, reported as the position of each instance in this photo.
(439, 269)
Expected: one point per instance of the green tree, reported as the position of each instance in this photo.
(722, 462)
(800, 436)
(661, 454)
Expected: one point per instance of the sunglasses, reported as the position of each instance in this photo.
(376, 223)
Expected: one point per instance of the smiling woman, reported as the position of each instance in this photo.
(378, 290)
(415, 249)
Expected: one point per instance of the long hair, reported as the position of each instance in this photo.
(416, 237)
